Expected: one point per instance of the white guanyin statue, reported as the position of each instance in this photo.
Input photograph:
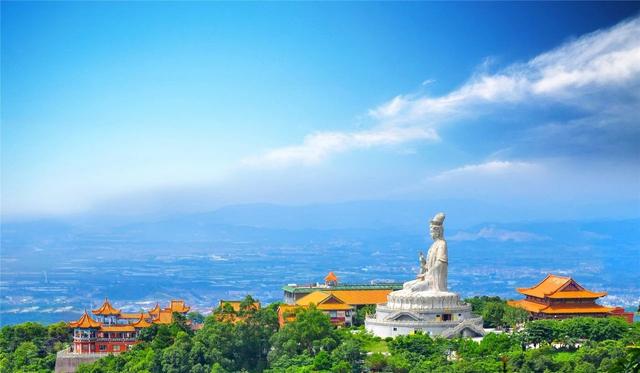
(433, 269)
(426, 304)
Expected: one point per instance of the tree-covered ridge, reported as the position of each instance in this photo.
(251, 340)
(32, 347)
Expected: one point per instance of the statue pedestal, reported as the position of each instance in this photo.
(431, 312)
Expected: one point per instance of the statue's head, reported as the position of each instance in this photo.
(436, 228)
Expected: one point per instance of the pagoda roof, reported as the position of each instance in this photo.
(360, 297)
(559, 309)
(118, 328)
(316, 297)
(324, 301)
(559, 287)
(331, 277)
(106, 309)
(141, 323)
(164, 317)
(178, 306)
(155, 310)
(85, 321)
(133, 316)
(334, 307)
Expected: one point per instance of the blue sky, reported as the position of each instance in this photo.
(138, 107)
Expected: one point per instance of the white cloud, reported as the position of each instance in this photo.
(318, 146)
(607, 58)
(487, 169)
(496, 234)
(572, 74)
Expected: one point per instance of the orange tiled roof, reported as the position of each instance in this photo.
(118, 328)
(527, 305)
(178, 306)
(164, 317)
(578, 294)
(155, 310)
(141, 323)
(133, 316)
(359, 297)
(571, 308)
(334, 307)
(325, 301)
(552, 287)
(331, 277)
(559, 309)
(106, 309)
(316, 297)
(235, 304)
(85, 321)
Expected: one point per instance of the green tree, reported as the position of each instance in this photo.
(492, 314)
(310, 331)
(362, 312)
(376, 362)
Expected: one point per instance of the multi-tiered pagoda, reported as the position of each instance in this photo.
(114, 331)
(559, 297)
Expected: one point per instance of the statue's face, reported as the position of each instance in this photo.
(434, 231)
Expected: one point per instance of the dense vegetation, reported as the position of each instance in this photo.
(250, 340)
(31, 347)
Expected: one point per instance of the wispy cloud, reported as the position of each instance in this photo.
(575, 74)
(487, 168)
(318, 146)
(496, 234)
(597, 61)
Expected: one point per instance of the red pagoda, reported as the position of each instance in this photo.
(559, 297)
(114, 331)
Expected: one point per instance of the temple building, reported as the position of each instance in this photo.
(114, 331)
(559, 297)
(339, 311)
(354, 294)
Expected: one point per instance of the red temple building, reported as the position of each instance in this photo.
(559, 297)
(113, 331)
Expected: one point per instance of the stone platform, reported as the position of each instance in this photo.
(434, 313)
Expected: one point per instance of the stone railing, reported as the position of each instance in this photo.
(67, 352)
(130, 339)
(474, 320)
(463, 307)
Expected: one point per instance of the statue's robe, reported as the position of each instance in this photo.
(438, 263)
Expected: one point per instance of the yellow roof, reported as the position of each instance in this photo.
(155, 310)
(178, 306)
(106, 309)
(133, 316)
(163, 317)
(559, 309)
(334, 307)
(118, 328)
(85, 321)
(325, 301)
(360, 297)
(554, 287)
(331, 277)
(141, 323)
(316, 297)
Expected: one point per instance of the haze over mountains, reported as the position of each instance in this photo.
(55, 268)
